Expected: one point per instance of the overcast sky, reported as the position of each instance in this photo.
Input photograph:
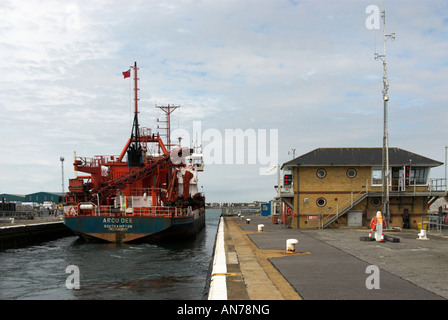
(303, 69)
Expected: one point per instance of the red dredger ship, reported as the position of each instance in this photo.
(143, 193)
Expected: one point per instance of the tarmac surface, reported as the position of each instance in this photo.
(331, 264)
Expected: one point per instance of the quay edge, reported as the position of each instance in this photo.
(25, 234)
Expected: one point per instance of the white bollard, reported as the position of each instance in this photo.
(260, 227)
(291, 245)
(422, 235)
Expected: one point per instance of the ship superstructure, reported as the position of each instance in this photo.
(149, 190)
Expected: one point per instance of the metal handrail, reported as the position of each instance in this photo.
(111, 211)
(346, 203)
(434, 221)
(437, 184)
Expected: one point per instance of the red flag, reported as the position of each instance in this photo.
(127, 74)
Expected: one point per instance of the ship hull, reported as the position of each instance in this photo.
(121, 229)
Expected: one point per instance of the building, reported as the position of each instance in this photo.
(37, 197)
(332, 187)
(6, 197)
(41, 197)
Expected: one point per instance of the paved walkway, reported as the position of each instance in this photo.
(254, 276)
(260, 268)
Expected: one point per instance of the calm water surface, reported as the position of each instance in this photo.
(110, 271)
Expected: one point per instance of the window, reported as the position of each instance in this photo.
(351, 173)
(376, 202)
(321, 202)
(321, 173)
(419, 175)
(377, 178)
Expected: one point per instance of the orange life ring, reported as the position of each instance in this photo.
(69, 211)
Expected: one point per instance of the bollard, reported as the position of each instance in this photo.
(260, 227)
(291, 245)
(247, 221)
(422, 235)
(241, 217)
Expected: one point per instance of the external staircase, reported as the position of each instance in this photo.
(344, 205)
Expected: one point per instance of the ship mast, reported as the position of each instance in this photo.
(168, 109)
(135, 150)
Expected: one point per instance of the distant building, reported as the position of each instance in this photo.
(12, 197)
(334, 187)
(37, 197)
(41, 197)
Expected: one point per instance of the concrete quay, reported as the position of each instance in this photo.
(330, 264)
(18, 234)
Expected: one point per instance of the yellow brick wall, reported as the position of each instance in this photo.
(336, 187)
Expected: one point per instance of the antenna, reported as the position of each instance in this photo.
(385, 152)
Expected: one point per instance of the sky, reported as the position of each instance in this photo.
(302, 72)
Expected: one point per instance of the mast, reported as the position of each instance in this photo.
(168, 109)
(135, 150)
(135, 88)
(385, 152)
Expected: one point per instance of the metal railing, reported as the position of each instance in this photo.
(434, 222)
(157, 211)
(91, 209)
(345, 204)
(438, 184)
(96, 161)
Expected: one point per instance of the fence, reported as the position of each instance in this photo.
(436, 223)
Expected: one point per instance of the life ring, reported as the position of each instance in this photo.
(70, 211)
(373, 223)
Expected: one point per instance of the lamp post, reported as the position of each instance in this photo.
(62, 168)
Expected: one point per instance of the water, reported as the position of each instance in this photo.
(110, 271)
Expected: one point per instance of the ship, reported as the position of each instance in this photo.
(147, 192)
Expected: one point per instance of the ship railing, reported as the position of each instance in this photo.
(96, 161)
(86, 162)
(158, 211)
(106, 159)
(145, 132)
(139, 192)
(91, 209)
